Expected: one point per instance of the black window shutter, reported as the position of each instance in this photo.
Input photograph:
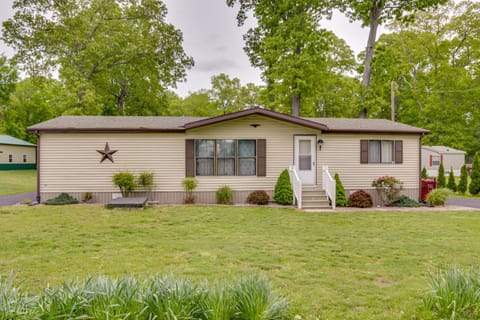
(363, 151)
(398, 151)
(261, 157)
(190, 158)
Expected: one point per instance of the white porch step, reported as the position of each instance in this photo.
(313, 197)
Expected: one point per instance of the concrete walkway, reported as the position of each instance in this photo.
(464, 202)
(16, 198)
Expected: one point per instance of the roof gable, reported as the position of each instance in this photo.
(240, 114)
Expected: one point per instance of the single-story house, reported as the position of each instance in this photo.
(246, 150)
(16, 154)
(433, 156)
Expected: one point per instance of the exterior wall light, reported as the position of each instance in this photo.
(320, 143)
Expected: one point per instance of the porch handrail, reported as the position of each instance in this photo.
(296, 185)
(329, 185)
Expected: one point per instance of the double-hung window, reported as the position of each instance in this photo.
(224, 157)
(381, 151)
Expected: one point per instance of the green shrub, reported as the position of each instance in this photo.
(224, 195)
(87, 196)
(283, 193)
(189, 184)
(463, 183)
(424, 173)
(259, 197)
(454, 294)
(145, 181)
(360, 199)
(125, 181)
(61, 199)
(451, 181)
(405, 201)
(340, 196)
(441, 182)
(474, 186)
(438, 197)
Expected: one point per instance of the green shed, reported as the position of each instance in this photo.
(16, 154)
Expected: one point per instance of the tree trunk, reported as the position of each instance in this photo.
(375, 13)
(296, 105)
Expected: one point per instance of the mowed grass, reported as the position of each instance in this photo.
(344, 265)
(17, 181)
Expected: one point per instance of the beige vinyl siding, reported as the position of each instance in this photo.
(341, 152)
(279, 136)
(17, 153)
(69, 162)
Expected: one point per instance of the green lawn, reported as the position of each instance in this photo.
(17, 181)
(355, 265)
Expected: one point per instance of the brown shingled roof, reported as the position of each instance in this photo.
(181, 124)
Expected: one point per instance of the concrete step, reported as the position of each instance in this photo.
(315, 204)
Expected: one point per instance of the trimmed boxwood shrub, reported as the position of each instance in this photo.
(224, 195)
(424, 173)
(283, 189)
(340, 196)
(61, 199)
(360, 199)
(260, 197)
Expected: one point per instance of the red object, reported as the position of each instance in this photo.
(431, 160)
(427, 186)
(441, 158)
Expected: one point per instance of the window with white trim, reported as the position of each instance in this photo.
(225, 157)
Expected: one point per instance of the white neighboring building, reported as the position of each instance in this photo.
(433, 156)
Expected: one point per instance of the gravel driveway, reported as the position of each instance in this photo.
(16, 198)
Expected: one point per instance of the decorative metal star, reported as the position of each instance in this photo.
(106, 153)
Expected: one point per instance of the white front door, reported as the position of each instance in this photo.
(305, 158)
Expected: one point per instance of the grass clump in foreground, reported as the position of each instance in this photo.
(17, 181)
(454, 294)
(343, 265)
(152, 298)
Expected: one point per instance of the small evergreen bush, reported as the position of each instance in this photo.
(474, 186)
(360, 199)
(283, 189)
(125, 181)
(424, 173)
(451, 181)
(61, 199)
(463, 183)
(441, 182)
(405, 201)
(259, 197)
(224, 195)
(438, 197)
(341, 196)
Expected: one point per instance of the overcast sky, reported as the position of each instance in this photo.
(212, 38)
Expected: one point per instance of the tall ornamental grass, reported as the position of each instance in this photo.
(102, 298)
(454, 294)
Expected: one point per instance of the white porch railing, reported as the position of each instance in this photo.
(329, 185)
(296, 186)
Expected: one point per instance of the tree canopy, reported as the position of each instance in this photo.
(114, 56)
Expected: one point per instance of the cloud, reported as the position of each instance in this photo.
(218, 65)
